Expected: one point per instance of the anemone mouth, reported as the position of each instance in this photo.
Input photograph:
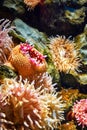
(34, 55)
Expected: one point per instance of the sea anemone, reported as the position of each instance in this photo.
(69, 96)
(44, 80)
(80, 112)
(67, 126)
(27, 61)
(32, 3)
(6, 43)
(21, 105)
(56, 108)
(64, 54)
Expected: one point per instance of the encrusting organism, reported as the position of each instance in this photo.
(6, 43)
(64, 54)
(23, 106)
(27, 61)
(80, 112)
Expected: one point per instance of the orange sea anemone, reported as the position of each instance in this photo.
(6, 43)
(64, 54)
(32, 3)
(27, 61)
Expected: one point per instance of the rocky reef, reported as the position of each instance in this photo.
(43, 64)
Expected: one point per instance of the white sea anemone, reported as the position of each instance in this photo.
(64, 54)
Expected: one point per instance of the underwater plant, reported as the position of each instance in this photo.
(80, 112)
(27, 61)
(23, 106)
(64, 54)
(6, 43)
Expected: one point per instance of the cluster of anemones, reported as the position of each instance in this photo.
(21, 105)
(80, 112)
(6, 43)
(64, 54)
(30, 64)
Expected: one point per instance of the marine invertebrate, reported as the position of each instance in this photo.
(56, 107)
(67, 126)
(21, 105)
(64, 54)
(44, 80)
(69, 96)
(32, 3)
(80, 112)
(27, 60)
(6, 43)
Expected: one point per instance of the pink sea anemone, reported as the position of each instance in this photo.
(80, 112)
(6, 43)
(64, 54)
(44, 80)
(20, 105)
